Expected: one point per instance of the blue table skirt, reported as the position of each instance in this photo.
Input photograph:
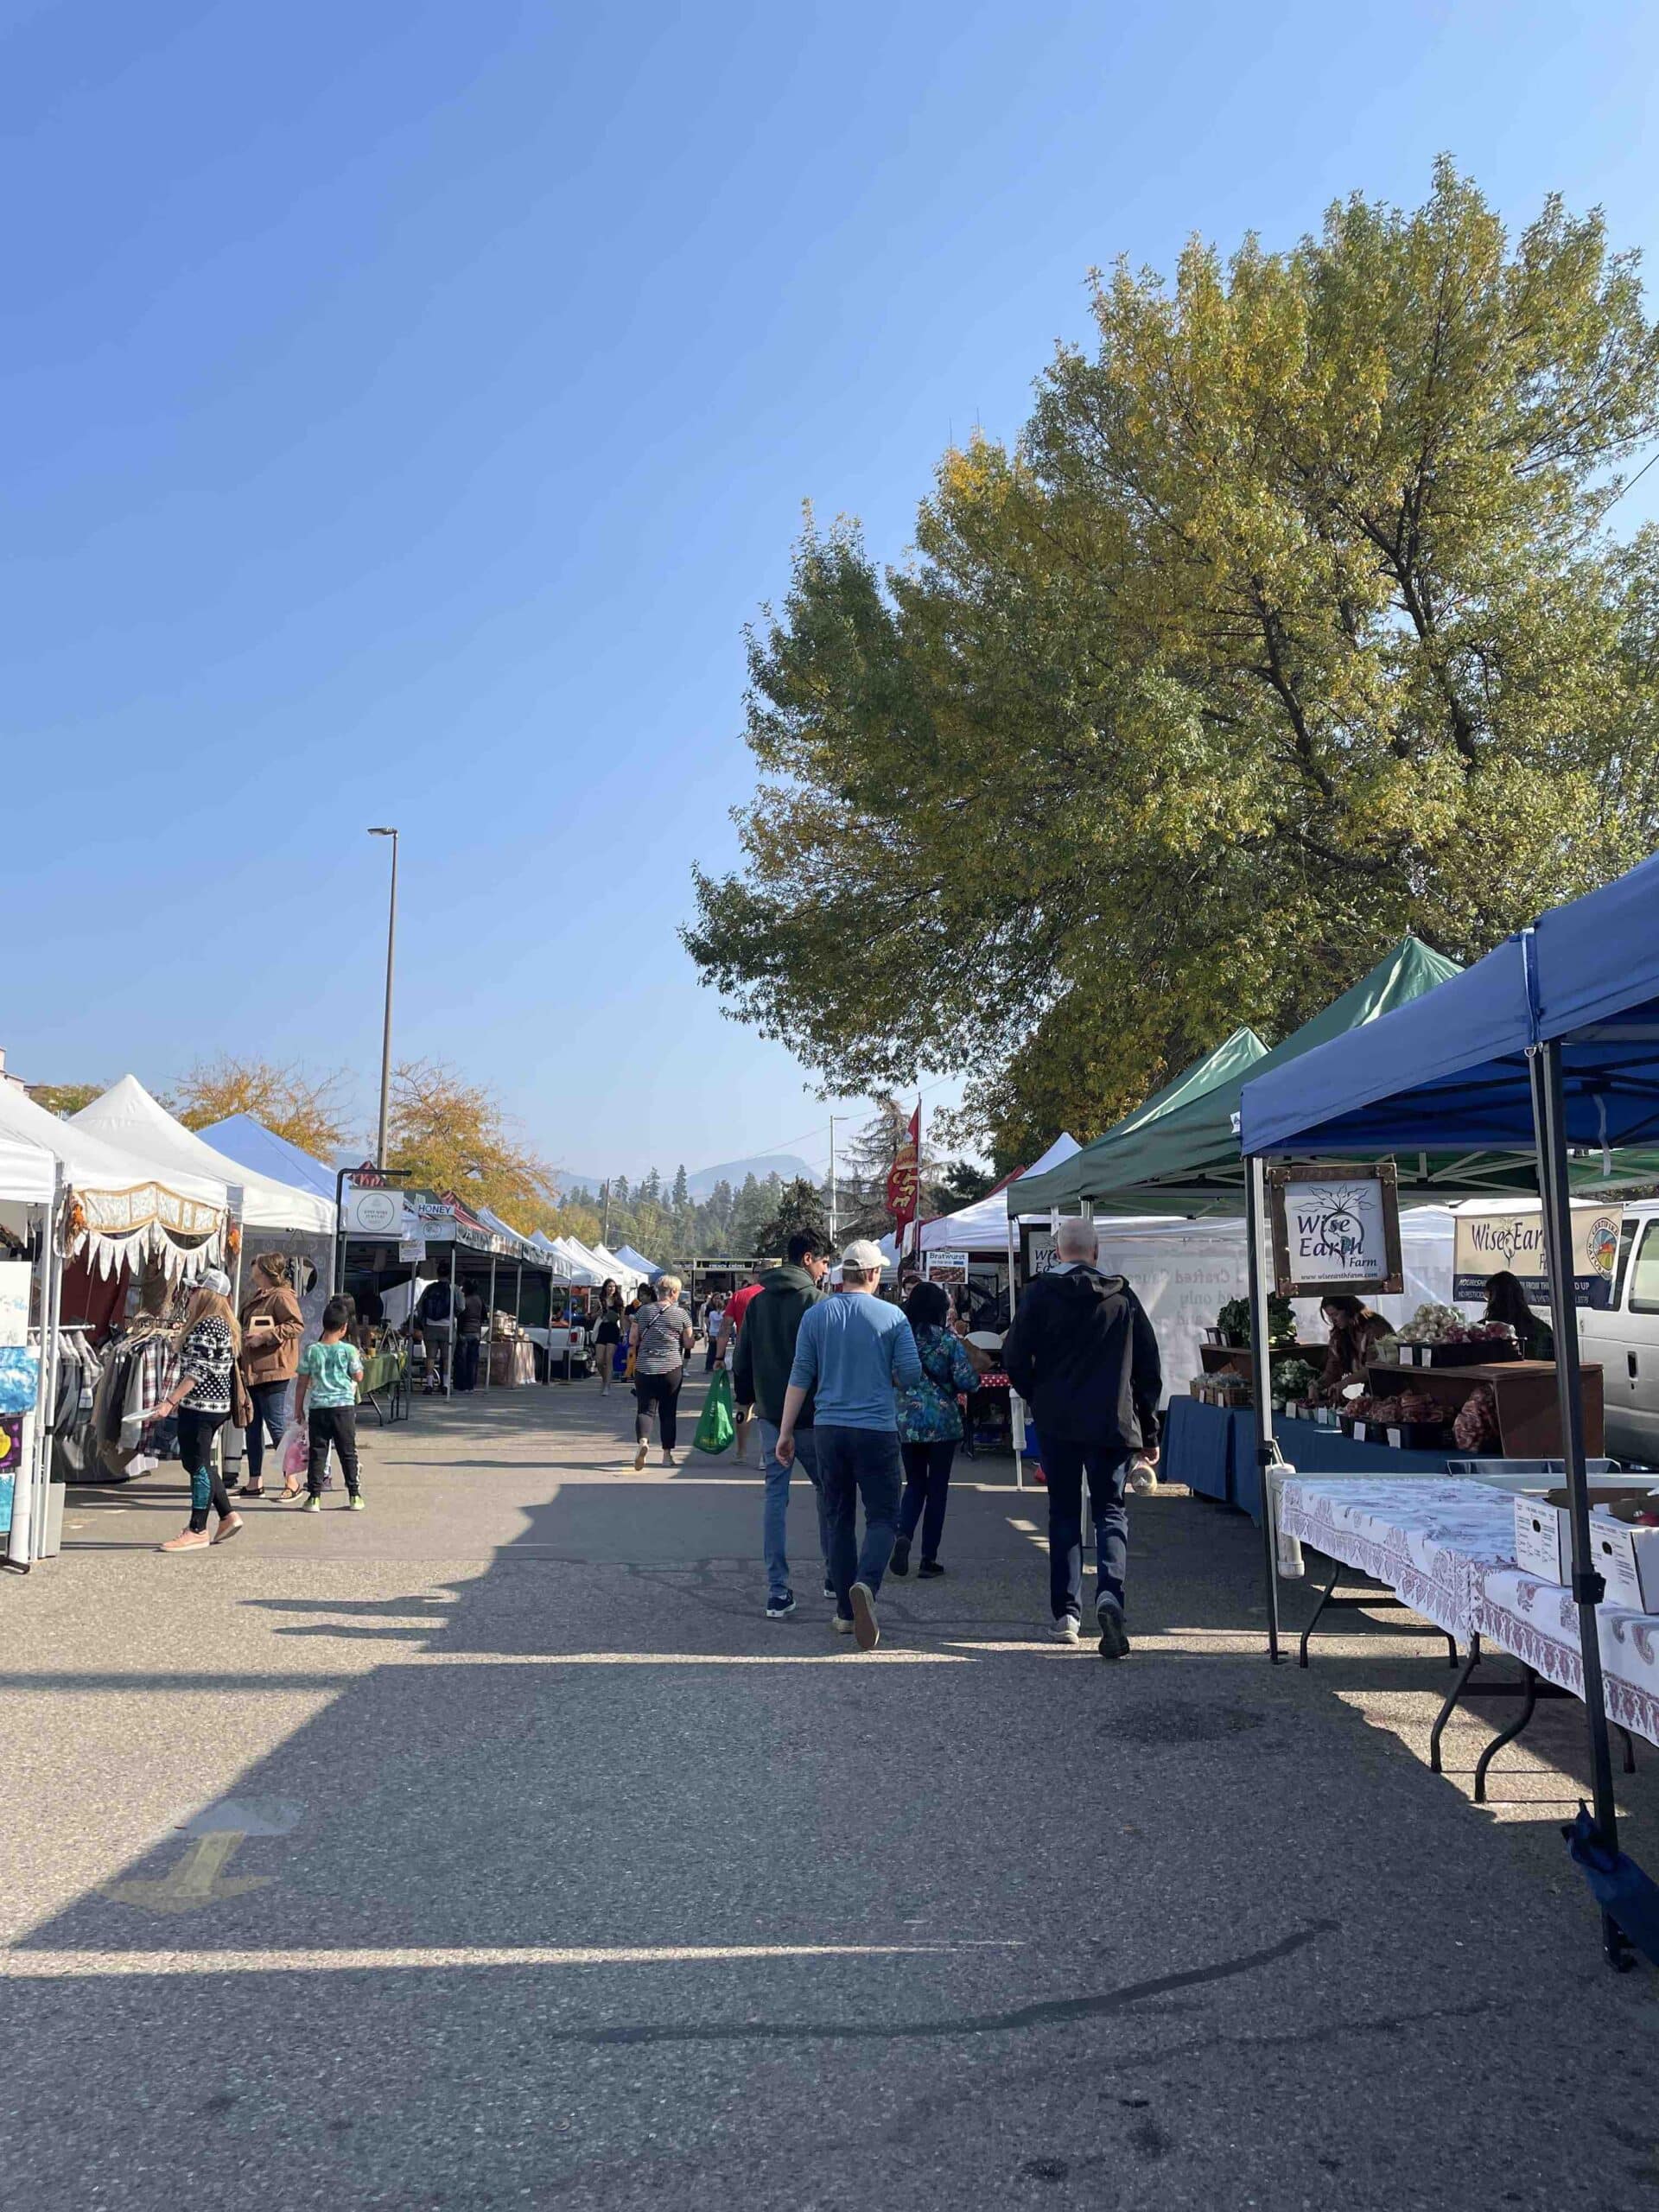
(1212, 1450)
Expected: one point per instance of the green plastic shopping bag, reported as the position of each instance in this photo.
(719, 1423)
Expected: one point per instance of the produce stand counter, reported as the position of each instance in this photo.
(1212, 1450)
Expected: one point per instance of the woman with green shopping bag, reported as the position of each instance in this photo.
(658, 1339)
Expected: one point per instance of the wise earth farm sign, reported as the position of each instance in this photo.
(1334, 1228)
(1512, 1241)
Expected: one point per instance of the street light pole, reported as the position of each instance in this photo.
(385, 1042)
(832, 1180)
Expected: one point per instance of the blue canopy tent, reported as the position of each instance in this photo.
(1551, 1042)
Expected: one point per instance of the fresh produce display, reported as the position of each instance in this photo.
(1234, 1321)
(1443, 1324)
(1293, 1379)
(1410, 1409)
(1476, 1426)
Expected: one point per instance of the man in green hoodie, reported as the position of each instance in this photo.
(766, 1353)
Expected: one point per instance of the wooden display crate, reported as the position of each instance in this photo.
(1523, 1390)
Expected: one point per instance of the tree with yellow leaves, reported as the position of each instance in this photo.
(303, 1107)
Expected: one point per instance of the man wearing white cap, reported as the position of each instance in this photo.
(853, 1352)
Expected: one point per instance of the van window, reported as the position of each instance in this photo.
(1627, 1229)
(1645, 1277)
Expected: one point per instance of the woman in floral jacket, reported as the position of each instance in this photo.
(930, 1426)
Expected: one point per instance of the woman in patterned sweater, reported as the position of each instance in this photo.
(209, 1341)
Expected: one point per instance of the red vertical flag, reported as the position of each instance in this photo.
(903, 1178)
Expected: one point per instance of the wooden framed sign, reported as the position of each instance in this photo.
(1335, 1229)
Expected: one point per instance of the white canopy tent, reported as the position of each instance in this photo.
(983, 1226)
(619, 1269)
(126, 1115)
(79, 1197)
(137, 1204)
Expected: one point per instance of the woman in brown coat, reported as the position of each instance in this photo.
(272, 1325)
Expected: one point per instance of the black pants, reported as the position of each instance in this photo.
(927, 1488)
(466, 1350)
(196, 1435)
(335, 1424)
(269, 1420)
(662, 1391)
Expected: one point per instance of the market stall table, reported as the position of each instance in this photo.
(385, 1373)
(1211, 1449)
(1537, 1624)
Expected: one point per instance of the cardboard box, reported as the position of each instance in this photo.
(1627, 1553)
(1623, 1554)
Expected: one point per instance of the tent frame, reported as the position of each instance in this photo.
(1551, 1159)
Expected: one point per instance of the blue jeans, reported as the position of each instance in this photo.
(854, 1464)
(775, 1520)
(269, 1420)
(1063, 1463)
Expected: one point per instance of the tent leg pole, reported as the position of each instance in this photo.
(1554, 1191)
(449, 1348)
(1019, 1456)
(1262, 1372)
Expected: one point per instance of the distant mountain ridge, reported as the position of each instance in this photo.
(784, 1163)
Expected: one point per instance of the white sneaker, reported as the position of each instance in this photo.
(1064, 1630)
(669, 1460)
(641, 1453)
(842, 1627)
(867, 1632)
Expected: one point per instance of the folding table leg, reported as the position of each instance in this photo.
(1324, 1599)
(1456, 1691)
(1529, 1706)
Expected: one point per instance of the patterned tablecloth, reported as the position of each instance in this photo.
(1429, 1540)
(1538, 1624)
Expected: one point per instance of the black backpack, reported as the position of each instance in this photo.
(434, 1306)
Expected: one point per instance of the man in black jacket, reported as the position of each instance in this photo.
(761, 1366)
(1083, 1356)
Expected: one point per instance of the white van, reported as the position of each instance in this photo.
(1624, 1336)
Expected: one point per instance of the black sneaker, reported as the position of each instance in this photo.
(927, 1569)
(899, 1563)
(1114, 1637)
(780, 1606)
(828, 1589)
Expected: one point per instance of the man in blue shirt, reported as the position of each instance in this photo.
(851, 1352)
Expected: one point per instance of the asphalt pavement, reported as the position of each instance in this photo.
(490, 1849)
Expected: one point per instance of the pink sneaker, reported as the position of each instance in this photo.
(232, 1525)
(188, 1539)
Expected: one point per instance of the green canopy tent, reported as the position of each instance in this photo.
(1226, 1068)
(1186, 1159)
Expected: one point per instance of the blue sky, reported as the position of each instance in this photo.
(406, 406)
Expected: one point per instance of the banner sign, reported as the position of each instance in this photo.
(903, 1176)
(1491, 1243)
(371, 1211)
(948, 1268)
(1334, 1229)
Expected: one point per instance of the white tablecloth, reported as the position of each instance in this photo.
(1426, 1538)
(1538, 1624)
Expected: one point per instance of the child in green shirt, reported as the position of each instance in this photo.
(326, 1400)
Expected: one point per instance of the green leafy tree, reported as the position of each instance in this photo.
(1293, 621)
(800, 1206)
